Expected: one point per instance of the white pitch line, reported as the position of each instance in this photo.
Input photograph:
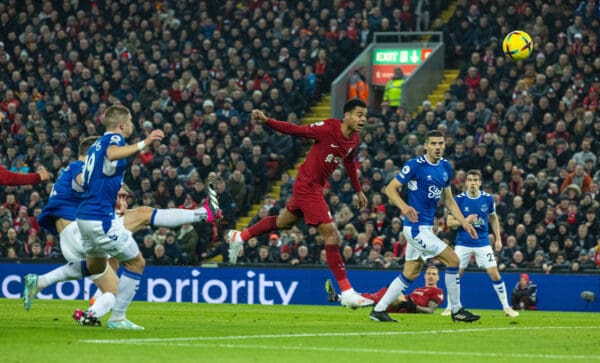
(305, 348)
(309, 335)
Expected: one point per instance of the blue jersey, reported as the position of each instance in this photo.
(102, 180)
(65, 197)
(425, 182)
(483, 206)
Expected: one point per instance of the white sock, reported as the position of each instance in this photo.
(500, 288)
(396, 288)
(69, 271)
(175, 217)
(128, 285)
(98, 293)
(103, 304)
(453, 286)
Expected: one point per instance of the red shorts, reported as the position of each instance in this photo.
(311, 206)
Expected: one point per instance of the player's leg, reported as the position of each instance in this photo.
(331, 235)
(137, 218)
(398, 286)
(128, 286)
(452, 262)
(449, 258)
(485, 258)
(284, 220)
(72, 250)
(236, 239)
(119, 243)
(114, 265)
(333, 296)
(421, 246)
(464, 255)
(500, 288)
(127, 252)
(107, 283)
(76, 268)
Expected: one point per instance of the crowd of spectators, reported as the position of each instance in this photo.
(196, 70)
(531, 128)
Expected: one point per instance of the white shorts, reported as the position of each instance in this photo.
(117, 242)
(71, 246)
(484, 256)
(422, 243)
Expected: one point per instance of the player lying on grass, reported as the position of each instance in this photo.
(421, 300)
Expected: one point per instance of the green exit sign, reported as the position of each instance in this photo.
(400, 56)
(386, 60)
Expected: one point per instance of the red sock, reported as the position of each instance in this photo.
(267, 224)
(336, 265)
(375, 296)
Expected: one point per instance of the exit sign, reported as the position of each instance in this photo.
(385, 60)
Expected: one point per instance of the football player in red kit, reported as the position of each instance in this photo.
(421, 300)
(335, 143)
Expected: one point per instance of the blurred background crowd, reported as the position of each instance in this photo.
(196, 69)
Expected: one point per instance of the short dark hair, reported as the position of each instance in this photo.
(433, 267)
(351, 104)
(433, 133)
(85, 144)
(474, 172)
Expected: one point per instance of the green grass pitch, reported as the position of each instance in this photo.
(185, 332)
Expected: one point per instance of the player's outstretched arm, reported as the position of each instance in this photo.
(122, 152)
(10, 178)
(311, 131)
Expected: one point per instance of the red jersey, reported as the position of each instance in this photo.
(331, 148)
(10, 178)
(423, 295)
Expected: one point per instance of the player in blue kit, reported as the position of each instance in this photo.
(101, 233)
(58, 217)
(480, 209)
(427, 178)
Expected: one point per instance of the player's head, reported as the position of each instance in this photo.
(355, 114)
(473, 181)
(432, 276)
(434, 145)
(85, 144)
(117, 118)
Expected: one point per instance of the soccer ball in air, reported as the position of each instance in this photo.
(517, 45)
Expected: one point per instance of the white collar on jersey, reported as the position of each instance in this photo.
(470, 197)
(429, 162)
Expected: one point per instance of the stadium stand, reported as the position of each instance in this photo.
(196, 70)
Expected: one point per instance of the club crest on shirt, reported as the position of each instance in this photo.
(330, 158)
(445, 176)
(484, 207)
